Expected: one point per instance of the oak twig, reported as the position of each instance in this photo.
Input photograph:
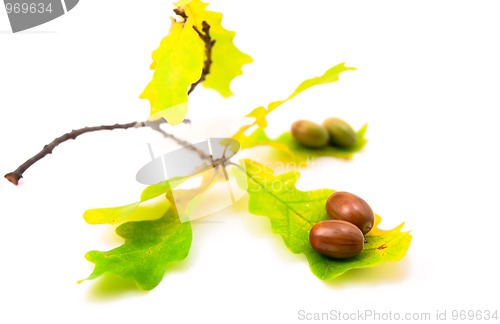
(209, 44)
(17, 174)
(204, 34)
(180, 12)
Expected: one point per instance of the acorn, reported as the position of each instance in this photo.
(336, 239)
(341, 133)
(351, 208)
(310, 134)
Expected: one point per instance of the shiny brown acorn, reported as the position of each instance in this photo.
(349, 207)
(310, 134)
(336, 239)
(340, 132)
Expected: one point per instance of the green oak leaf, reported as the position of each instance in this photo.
(260, 113)
(293, 213)
(150, 246)
(155, 235)
(227, 59)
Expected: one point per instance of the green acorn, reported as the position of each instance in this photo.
(310, 134)
(341, 133)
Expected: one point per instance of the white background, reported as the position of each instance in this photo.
(427, 84)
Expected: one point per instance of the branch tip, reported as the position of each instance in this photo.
(13, 177)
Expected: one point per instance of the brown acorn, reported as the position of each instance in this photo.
(336, 239)
(310, 134)
(340, 132)
(349, 207)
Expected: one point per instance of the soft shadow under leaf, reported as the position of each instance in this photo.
(110, 286)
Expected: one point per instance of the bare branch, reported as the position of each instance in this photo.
(17, 174)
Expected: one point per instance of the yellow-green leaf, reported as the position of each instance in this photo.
(293, 213)
(152, 205)
(260, 113)
(182, 3)
(227, 59)
(178, 63)
(155, 201)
